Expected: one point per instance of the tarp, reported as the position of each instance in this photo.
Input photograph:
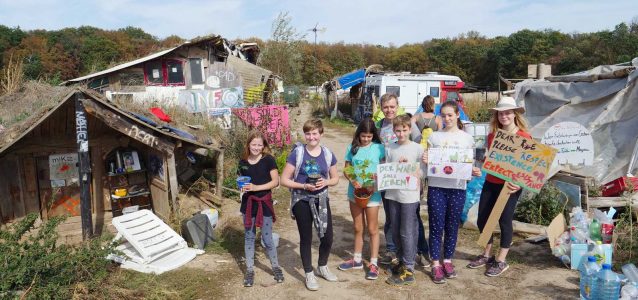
(351, 79)
(608, 108)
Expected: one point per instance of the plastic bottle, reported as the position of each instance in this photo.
(607, 231)
(631, 272)
(606, 285)
(579, 236)
(629, 291)
(594, 230)
(599, 253)
(588, 269)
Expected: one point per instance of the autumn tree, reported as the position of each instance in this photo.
(282, 53)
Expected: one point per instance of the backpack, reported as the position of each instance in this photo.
(299, 148)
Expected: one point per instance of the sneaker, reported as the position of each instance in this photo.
(438, 275)
(404, 278)
(326, 274)
(350, 264)
(373, 272)
(388, 259)
(397, 268)
(480, 261)
(448, 269)
(423, 261)
(311, 282)
(497, 268)
(249, 279)
(278, 275)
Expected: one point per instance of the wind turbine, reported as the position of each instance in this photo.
(315, 30)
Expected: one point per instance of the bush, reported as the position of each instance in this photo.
(478, 111)
(627, 232)
(36, 266)
(541, 208)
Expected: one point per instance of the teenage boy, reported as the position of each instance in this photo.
(403, 203)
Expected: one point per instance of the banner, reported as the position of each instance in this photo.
(398, 176)
(522, 161)
(451, 163)
(271, 120)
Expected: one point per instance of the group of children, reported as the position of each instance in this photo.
(394, 139)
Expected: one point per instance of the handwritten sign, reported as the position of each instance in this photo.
(221, 116)
(450, 163)
(520, 160)
(398, 176)
(271, 120)
(573, 142)
(63, 166)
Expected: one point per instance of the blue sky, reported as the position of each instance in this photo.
(352, 21)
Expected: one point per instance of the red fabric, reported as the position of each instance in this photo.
(160, 114)
(259, 219)
(490, 138)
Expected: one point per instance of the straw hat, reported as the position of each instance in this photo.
(507, 103)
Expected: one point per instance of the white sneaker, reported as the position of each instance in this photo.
(326, 274)
(311, 282)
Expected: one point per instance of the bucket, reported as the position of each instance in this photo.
(242, 180)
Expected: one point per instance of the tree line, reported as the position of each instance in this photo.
(59, 55)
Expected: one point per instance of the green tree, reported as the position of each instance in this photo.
(282, 53)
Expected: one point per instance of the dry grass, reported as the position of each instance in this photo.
(477, 108)
(11, 76)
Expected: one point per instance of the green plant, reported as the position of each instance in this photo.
(541, 208)
(361, 174)
(626, 231)
(281, 160)
(36, 265)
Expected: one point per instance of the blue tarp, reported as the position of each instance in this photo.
(352, 78)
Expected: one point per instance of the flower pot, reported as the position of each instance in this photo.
(313, 178)
(362, 196)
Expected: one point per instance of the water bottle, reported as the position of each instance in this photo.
(606, 285)
(631, 272)
(599, 253)
(588, 269)
(594, 230)
(629, 291)
(579, 236)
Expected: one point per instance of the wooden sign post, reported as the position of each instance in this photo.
(518, 160)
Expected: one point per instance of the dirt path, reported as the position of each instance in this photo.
(533, 273)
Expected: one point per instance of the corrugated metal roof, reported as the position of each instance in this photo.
(123, 66)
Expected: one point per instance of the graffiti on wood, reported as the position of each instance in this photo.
(142, 136)
(200, 101)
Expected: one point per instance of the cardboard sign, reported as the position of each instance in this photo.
(398, 176)
(574, 143)
(520, 160)
(450, 163)
(63, 166)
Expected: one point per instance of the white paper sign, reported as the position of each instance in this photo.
(450, 163)
(573, 142)
(63, 166)
(398, 176)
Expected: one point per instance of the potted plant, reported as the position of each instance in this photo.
(365, 179)
(312, 169)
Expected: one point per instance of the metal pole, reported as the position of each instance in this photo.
(82, 138)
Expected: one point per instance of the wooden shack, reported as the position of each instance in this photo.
(134, 165)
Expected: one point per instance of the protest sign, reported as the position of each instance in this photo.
(574, 143)
(450, 163)
(519, 160)
(398, 176)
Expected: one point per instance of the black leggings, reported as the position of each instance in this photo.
(486, 204)
(303, 216)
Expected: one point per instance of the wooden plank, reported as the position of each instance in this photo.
(131, 129)
(29, 177)
(6, 206)
(220, 173)
(159, 192)
(495, 215)
(97, 165)
(172, 179)
(597, 202)
(15, 188)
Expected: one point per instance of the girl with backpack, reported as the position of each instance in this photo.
(310, 169)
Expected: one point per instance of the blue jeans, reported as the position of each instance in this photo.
(404, 230)
(389, 243)
(266, 236)
(422, 245)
